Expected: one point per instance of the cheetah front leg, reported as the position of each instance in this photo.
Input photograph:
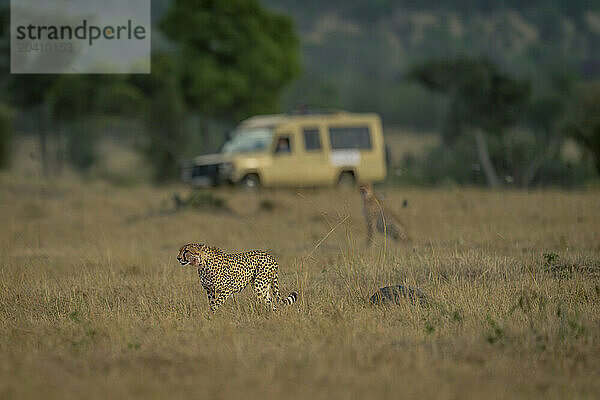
(211, 298)
(219, 300)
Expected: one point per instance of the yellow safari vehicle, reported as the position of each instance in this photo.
(310, 149)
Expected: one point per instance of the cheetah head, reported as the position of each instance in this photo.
(191, 254)
(366, 190)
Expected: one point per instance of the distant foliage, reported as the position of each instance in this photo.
(481, 96)
(165, 117)
(459, 165)
(72, 101)
(583, 120)
(355, 53)
(5, 136)
(81, 138)
(483, 101)
(120, 98)
(71, 97)
(371, 10)
(236, 56)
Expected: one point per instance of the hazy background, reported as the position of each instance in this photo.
(93, 303)
(495, 93)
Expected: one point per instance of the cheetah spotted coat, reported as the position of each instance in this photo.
(222, 274)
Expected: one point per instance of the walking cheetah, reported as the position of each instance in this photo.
(222, 274)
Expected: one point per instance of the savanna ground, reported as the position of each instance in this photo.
(94, 305)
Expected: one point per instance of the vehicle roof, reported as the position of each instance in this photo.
(278, 119)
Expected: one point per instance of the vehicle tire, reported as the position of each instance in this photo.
(250, 182)
(347, 181)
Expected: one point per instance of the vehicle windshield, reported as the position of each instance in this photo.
(249, 140)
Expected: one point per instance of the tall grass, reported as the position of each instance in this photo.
(94, 305)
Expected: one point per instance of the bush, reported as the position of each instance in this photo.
(202, 200)
(458, 164)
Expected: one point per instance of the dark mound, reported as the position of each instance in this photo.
(396, 294)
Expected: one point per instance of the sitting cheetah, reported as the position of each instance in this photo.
(385, 221)
(222, 274)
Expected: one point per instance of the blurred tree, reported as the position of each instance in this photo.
(483, 101)
(120, 98)
(74, 101)
(28, 92)
(4, 48)
(166, 114)
(236, 56)
(344, 39)
(5, 112)
(543, 115)
(583, 120)
(71, 97)
(5, 136)
(24, 91)
(71, 100)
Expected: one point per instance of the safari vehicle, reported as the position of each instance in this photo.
(310, 149)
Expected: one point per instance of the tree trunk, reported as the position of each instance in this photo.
(484, 159)
(535, 165)
(43, 138)
(205, 133)
(57, 128)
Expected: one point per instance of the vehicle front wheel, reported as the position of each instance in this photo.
(250, 182)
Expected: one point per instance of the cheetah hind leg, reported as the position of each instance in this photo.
(275, 287)
(264, 293)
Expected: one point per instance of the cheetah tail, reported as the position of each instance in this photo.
(291, 299)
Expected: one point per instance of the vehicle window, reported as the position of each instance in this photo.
(249, 140)
(352, 137)
(283, 145)
(312, 141)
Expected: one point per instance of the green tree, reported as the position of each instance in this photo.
(71, 100)
(5, 136)
(28, 92)
(74, 102)
(5, 112)
(543, 116)
(235, 56)
(165, 116)
(583, 120)
(483, 101)
(24, 91)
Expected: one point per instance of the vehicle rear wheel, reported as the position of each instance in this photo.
(347, 181)
(250, 182)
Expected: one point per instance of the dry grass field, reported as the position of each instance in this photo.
(94, 305)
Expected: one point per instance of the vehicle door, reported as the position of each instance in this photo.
(287, 167)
